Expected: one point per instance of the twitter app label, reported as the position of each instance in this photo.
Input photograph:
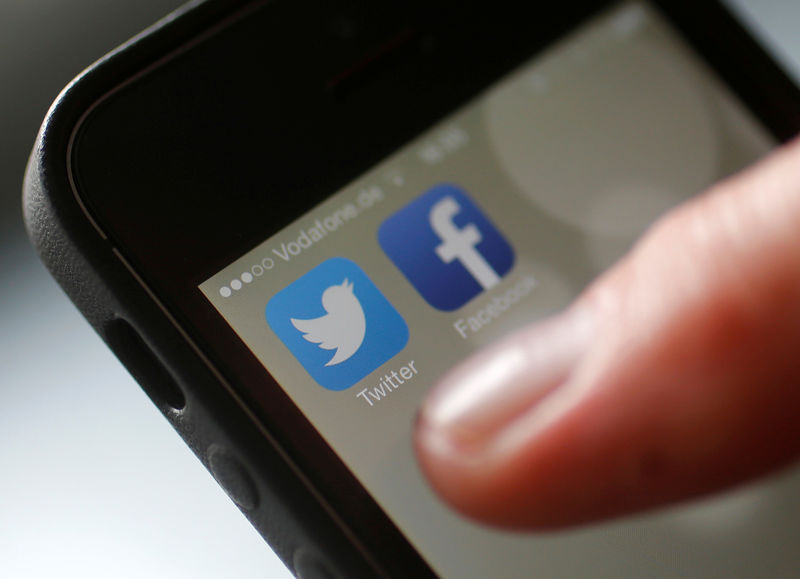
(337, 323)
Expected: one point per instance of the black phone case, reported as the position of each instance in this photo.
(305, 533)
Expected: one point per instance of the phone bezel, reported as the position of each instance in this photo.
(160, 261)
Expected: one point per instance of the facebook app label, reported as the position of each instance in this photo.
(337, 324)
(446, 247)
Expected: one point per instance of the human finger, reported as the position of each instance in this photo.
(677, 373)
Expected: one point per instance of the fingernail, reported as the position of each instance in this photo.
(486, 393)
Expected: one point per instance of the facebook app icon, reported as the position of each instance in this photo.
(446, 247)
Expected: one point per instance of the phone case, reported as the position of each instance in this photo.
(305, 533)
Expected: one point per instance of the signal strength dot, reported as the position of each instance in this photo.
(236, 284)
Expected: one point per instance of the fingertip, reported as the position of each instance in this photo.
(686, 382)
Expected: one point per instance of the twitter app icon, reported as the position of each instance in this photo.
(337, 323)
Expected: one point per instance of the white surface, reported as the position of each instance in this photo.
(775, 22)
(94, 482)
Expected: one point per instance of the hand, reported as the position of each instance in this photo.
(675, 374)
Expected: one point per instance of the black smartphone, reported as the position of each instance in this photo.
(288, 219)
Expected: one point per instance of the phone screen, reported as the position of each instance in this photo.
(497, 216)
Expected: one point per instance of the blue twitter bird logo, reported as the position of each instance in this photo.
(343, 326)
(336, 307)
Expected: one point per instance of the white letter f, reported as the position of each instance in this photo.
(460, 243)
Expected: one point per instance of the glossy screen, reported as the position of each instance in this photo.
(496, 217)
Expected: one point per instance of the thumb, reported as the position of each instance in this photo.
(677, 373)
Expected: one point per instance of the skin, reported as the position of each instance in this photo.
(674, 375)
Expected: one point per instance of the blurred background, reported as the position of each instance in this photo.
(93, 481)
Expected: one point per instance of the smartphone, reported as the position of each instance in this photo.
(288, 219)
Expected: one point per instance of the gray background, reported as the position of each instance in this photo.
(94, 483)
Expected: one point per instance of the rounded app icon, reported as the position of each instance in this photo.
(446, 247)
(337, 323)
